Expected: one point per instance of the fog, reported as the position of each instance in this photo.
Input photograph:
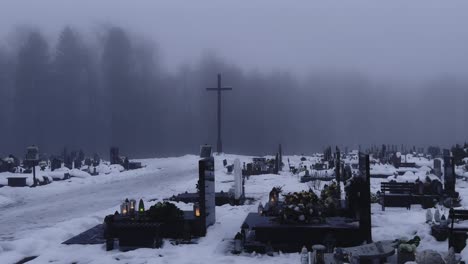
(91, 74)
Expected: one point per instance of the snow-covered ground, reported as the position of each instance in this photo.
(35, 221)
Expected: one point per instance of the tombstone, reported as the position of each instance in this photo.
(364, 193)
(56, 163)
(449, 173)
(238, 186)
(338, 172)
(32, 160)
(114, 155)
(205, 151)
(77, 162)
(207, 191)
(438, 167)
(88, 162)
(96, 159)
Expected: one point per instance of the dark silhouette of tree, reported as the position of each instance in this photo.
(31, 88)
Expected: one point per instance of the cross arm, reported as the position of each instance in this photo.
(215, 89)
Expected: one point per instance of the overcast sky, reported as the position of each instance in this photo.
(407, 39)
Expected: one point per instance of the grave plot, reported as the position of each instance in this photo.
(261, 165)
(134, 227)
(305, 218)
(115, 158)
(235, 196)
(402, 191)
(323, 170)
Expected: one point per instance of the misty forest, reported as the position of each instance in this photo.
(111, 88)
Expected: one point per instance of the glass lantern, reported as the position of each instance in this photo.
(196, 209)
(141, 207)
(260, 208)
(132, 206)
(124, 209)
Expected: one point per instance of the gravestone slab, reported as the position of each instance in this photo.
(238, 192)
(92, 236)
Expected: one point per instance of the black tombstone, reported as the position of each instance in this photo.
(365, 195)
(114, 155)
(338, 172)
(207, 190)
(55, 163)
(96, 159)
(449, 173)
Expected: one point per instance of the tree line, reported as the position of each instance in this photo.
(111, 88)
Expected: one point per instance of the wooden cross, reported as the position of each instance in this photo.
(219, 147)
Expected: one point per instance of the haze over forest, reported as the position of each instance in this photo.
(91, 74)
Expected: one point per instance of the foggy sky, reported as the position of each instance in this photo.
(403, 40)
(334, 73)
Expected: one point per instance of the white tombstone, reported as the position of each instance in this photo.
(237, 179)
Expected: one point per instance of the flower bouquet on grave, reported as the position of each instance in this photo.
(301, 208)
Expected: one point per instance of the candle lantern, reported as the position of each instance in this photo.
(141, 207)
(124, 208)
(245, 231)
(196, 209)
(132, 206)
(260, 208)
(237, 243)
(273, 199)
(319, 253)
(443, 221)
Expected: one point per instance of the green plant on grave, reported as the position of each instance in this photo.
(165, 212)
(408, 246)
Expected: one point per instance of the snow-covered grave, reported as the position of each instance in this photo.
(35, 221)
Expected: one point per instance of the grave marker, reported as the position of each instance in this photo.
(238, 186)
(449, 173)
(207, 199)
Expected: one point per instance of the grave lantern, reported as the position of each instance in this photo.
(273, 197)
(443, 221)
(260, 208)
(238, 243)
(141, 207)
(124, 209)
(132, 206)
(245, 230)
(196, 209)
(319, 253)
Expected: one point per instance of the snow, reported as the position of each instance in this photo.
(35, 221)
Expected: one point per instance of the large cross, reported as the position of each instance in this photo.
(219, 147)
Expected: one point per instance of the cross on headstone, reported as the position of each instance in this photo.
(219, 146)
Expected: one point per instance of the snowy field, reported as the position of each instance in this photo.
(35, 221)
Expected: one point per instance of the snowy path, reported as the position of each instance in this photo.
(47, 208)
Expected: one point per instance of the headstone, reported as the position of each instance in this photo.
(31, 160)
(449, 173)
(365, 207)
(96, 159)
(56, 163)
(438, 167)
(207, 193)
(114, 155)
(238, 193)
(205, 151)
